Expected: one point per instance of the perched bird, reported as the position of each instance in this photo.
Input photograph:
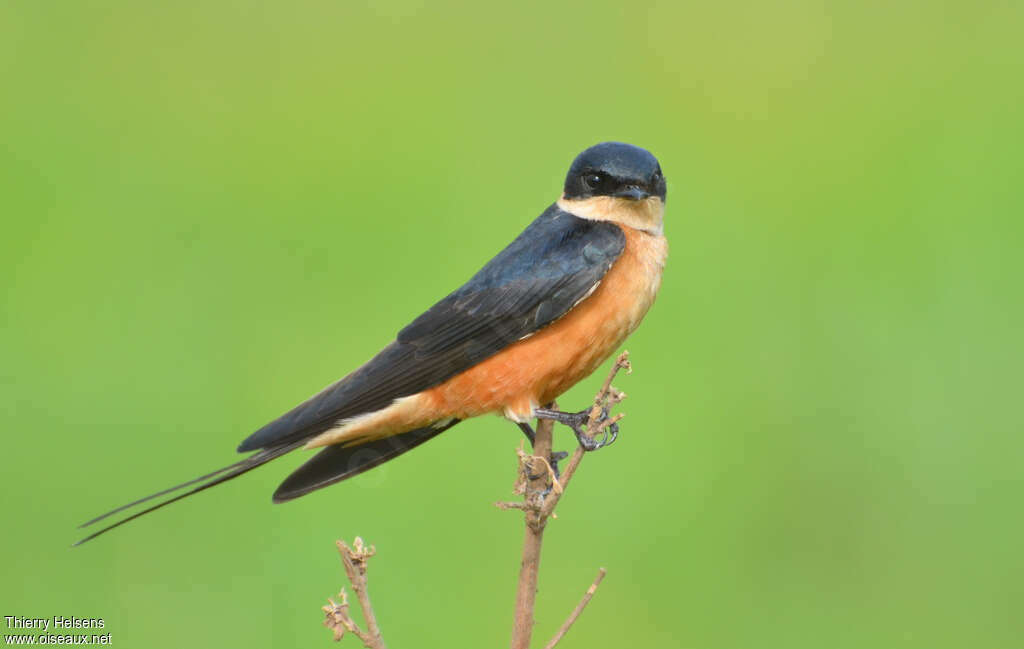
(538, 318)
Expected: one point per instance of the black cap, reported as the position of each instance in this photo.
(615, 169)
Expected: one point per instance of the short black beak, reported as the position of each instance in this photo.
(632, 192)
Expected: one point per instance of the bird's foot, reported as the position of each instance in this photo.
(556, 457)
(578, 422)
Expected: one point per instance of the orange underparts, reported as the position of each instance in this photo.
(536, 370)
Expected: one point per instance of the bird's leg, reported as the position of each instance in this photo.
(577, 421)
(528, 431)
(556, 456)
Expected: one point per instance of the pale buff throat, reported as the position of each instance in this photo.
(647, 215)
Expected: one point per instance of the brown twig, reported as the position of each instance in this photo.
(541, 490)
(536, 484)
(338, 619)
(541, 493)
(576, 611)
(607, 396)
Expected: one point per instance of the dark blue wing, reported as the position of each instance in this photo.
(556, 261)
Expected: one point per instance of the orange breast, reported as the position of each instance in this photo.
(537, 369)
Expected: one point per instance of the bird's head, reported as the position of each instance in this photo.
(613, 181)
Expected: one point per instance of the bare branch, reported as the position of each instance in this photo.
(607, 392)
(541, 489)
(576, 611)
(541, 492)
(354, 560)
(536, 484)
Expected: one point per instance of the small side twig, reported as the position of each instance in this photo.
(576, 611)
(354, 560)
(606, 397)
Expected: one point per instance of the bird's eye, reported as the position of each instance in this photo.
(594, 180)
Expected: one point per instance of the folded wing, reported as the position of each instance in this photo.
(556, 262)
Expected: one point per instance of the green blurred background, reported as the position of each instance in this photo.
(213, 209)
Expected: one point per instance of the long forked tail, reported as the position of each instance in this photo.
(336, 463)
(332, 464)
(206, 481)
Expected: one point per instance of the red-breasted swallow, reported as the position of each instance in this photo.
(538, 318)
